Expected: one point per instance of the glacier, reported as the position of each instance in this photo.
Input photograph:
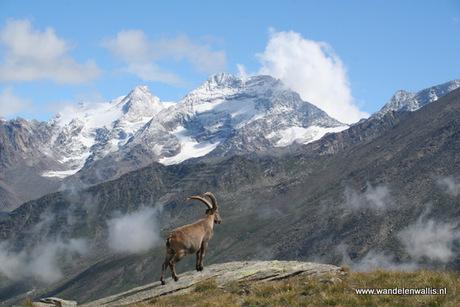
(225, 115)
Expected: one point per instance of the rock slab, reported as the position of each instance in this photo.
(222, 273)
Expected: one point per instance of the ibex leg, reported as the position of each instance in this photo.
(169, 255)
(199, 260)
(177, 257)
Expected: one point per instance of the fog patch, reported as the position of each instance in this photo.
(267, 211)
(135, 232)
(425, 240)
(430, 239)
(374, 260)
(49, 246)
(374, 198)
(451, 185)
(43, 262)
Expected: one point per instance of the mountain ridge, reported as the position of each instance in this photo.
(406, 101)
(363, 202)
(90, 143)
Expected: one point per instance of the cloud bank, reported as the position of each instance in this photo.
(375, 198)
(451, 185)
(313, 70)
(49, 254)
(11, 103)
(142, 56)
(430, 239)
(32, 55)
(135, 232)
(426, 240)
(42, 262)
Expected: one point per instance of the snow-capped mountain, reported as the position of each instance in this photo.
(93, 142)
(225, 114)
(228, 115)
(90, 131)
(405, 101)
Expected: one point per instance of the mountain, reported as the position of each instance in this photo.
(405, 101)
(93, 142)
(383, 193)
(216, 113)
(90, 143)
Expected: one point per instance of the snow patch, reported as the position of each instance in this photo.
(59, 174)
(301, 135)
(190, 148)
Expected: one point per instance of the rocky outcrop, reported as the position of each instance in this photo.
(223, 273)
(54, 301)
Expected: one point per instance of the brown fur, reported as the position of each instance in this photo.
(192, 238)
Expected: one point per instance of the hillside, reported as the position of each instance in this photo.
(386, 199)
(290, 283)
(237, 272)
(89, 143)
(350, 289)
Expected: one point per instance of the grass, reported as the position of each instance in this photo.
(28, 303)
(307, 291)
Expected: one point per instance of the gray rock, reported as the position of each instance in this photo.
(223, 274)
(54, 301)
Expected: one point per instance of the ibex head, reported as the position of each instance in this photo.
(212, 209)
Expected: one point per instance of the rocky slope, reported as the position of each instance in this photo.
(90, 143)
(93, 142)
(223, 274)
(410, 102)
(384, 199)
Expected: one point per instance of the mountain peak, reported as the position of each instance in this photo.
(140, 102)
(222, 79)
(140, 90)
(140, 93)
(410, 102)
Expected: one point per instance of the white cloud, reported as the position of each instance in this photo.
(142, 56)
(242, 71)
(31, 55)
(374, 260)
(134, 232)
(427, 238)
(129, 46)
(11, 103)
(151, 72)
(43, 262)
(451, 185)
(313, 70)
(375, 198)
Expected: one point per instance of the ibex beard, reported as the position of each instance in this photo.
(192, 238)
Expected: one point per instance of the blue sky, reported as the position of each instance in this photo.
(347, 57)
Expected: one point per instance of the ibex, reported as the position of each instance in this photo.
(192, 238)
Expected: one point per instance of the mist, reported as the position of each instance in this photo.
(451, 185)
(49, 248)
(424, 240)
(374, 260)
(135, 232)
(375, 198)
(44, 262)
(430, 239)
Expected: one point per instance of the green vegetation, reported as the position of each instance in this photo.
(330, 291)
(28, 303)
